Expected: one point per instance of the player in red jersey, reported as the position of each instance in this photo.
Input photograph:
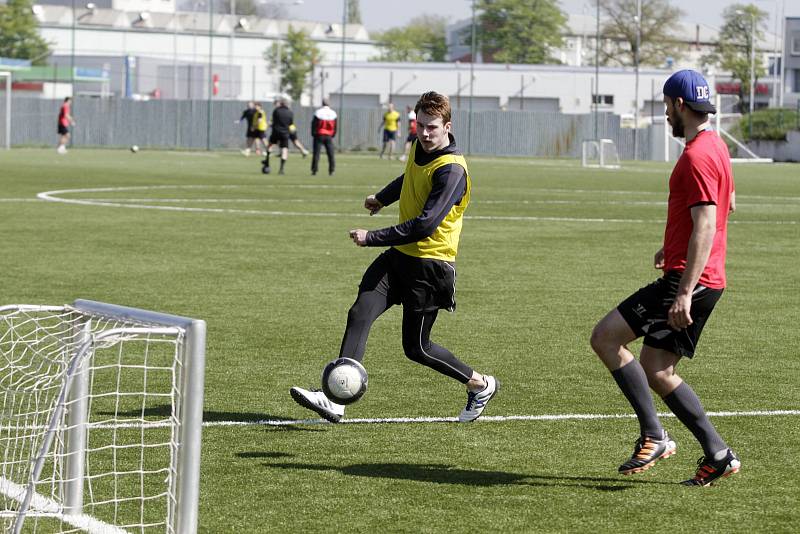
(670, 313)
(65, 121)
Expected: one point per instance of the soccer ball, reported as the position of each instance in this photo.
(344, 381)
(134, 148)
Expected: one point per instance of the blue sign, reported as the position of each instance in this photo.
(9, 63)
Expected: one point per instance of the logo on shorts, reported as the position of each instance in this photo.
(639, 310)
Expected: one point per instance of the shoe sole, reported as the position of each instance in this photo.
(667, 453)
(496, 389)
(300, 399)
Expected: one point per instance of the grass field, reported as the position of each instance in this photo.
(547, 249)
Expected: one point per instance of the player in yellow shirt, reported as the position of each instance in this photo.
(418, 270)
(391, 127)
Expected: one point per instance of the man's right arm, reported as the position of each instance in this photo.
(390, 193)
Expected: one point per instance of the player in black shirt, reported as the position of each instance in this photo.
(282, 119)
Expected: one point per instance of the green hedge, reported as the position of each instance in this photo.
(769, 124)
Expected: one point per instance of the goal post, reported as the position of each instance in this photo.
(599, 153)
(102, 419)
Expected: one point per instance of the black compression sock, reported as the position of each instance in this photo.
(685, 404)
(633, 382)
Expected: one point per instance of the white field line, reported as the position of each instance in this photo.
(44, 506)
(490, 418)
(52, 196)
(433, 419)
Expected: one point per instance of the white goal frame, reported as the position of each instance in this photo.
(597, 147)
(7, 75)
(68, 424)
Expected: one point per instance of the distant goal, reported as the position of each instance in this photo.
(102, 416)
(600, 153)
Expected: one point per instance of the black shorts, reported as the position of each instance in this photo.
(279, 138)
(255, 134)
(646, 313)
(292, 137)
(389, 136)
(419, 284)
(63, 130)
(411, 138)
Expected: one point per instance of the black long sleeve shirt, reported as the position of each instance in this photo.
(448, 188)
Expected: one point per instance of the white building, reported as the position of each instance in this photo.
(156, 53)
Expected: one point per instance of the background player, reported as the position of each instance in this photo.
(418, 270)
(391, 125)
(248, 116)
(282, 119)
(323, 130)
(65, 121)
(670, 313)
(411, 115)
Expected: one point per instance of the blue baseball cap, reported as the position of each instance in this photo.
(693, 88)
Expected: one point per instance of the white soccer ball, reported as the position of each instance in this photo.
(134, 148)
(344, 381)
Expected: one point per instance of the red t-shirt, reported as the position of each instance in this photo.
(63, 114)
(702, 176)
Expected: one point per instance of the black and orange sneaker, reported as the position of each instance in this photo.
(647, 452)
(709, 470)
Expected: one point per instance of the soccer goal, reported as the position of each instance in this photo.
(101, 422)
(599, 153)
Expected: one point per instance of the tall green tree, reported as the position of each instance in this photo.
(294, 60)
(18, 36)
(732, 51)
(660, 22)
(423, 39)
(520, 31)
(353, 12)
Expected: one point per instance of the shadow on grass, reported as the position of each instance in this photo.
(446, 474)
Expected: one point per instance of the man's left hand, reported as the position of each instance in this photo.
(359, 237)
(679, 316)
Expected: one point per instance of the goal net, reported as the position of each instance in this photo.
(101, 421)
(599, 153)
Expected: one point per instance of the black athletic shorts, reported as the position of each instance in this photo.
(255, 134)
(292, 137)
(389, 135)
(410, 138)
(63, 130)
(646, 313)
(421, 284)
(280, 139)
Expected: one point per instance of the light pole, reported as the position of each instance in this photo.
(341, 73)
(596, 95)
(472, 53)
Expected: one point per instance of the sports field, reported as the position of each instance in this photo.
(547, 249)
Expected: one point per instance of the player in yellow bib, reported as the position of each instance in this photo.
(418, 269)
(391, 127)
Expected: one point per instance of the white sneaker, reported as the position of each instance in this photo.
(477, 401)
(318, 402)
(61, 149)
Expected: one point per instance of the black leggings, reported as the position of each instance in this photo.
(417, 345)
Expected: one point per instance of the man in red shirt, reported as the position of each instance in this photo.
(65, 120)
(323, 130)
(670, 313)
(412, 131)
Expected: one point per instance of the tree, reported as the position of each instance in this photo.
(294, 60)
(423, 39)
(520, 31)
(246, 8)
(18, 36)
(353, 12)
(660, 21)
(734, 47)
